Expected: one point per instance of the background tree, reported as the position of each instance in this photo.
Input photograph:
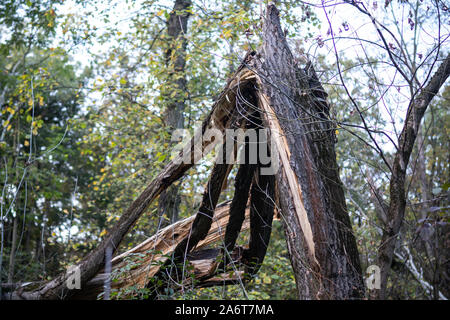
(174, 92)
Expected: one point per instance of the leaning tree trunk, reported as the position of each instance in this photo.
(323, 249)
(12, 255)
(218, 119)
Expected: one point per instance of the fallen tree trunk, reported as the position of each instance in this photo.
(309, 194)
(174, 270)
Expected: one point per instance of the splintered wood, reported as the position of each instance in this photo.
(284, 153)
(307, 186)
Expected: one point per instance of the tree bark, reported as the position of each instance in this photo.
(174, 96)
(397, 202)
(309, 192)
(148, 255)
(421, 169)
(242, 185)
(204, 217)
(323, 249)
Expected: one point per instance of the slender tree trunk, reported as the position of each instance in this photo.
(397, 203)
(12, 256)
(169, 200)
(309, 192)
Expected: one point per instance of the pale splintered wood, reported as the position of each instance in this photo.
(154, 251)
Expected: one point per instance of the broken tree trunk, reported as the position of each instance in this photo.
(173, 271)
(242, 185)
(262, 205)
(132, 269)
(308, 192)
(174, 95)
(217, 119)
(323, 249)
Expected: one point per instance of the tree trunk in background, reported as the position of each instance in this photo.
(12, 255)
(169, 200)
(397, 191)
(330, 269)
